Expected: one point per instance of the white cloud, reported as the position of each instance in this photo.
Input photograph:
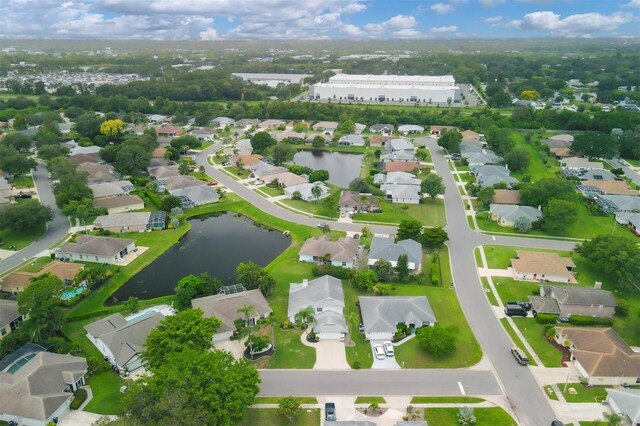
(491, 3)
(447, 29)
(573, 25)
(210, 34)
(442, 8)
(352, 31)
(493, 19)
(633, 4)
(354, 7)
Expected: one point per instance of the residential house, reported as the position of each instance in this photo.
(157, 119)
(352, 140)
(203, 134)
(169, 131)
(226, 308)
(589, 174)
(180, 182)
(351, 201)
(325, 297)
(245, 161)
(489, 175)
(271, 124)
(382, 314)
(508, 215)
(36, 387)
(399, 144)
(325, 126)
(384, 129)
(626, 404)
(159, 152)
(379, 140)
(359, 128)
(123, 203)
(285, 179)
(342, 252)
(10, 318)
(289, 134)
(387, 249)
(506, 196)
(5, 192)
(17, 281)
(400, 187)
(579, 163)
(619, 203)
(75, 149)
(486, 156)
(566, 301)
(89, 248)
(470, 147)
(327, 138)
(196, 195)
(84, 158)
(470, 134)
(398, 156)
(247, 123)
(123, 222)
(408, 129)
(400, 166)
(563, 138)
(163, 172)
(600, 355)
(121, 340)
(98, 173)
(592, 188)
(222, 122)
(305, 191)
(111, 189)
(543, 266)
(632, 220)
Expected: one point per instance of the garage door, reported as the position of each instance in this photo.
(330, 336)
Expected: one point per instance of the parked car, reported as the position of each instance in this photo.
(361, 328)
(379, 351)
(514, 310)
(557, 423)
(24, 195)
(525, 305)
(388, 348)
(322, 225)
(330, 412)
(259, 182)
(212, 183)
(519, 356)
(226, 163)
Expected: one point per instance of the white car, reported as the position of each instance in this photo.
(388, 348)
(377, 349)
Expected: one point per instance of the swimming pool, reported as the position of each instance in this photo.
(70, 294)
(141, 315)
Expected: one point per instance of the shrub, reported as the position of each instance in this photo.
(622, 310)
(79, 397)
(587, 320)
(357, 365)
(435, 270)
(546, 318)
(334, 271)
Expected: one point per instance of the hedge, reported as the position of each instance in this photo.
(79, 396)
(587, 320)
(546, 318)
(435, 270)
(334, 271)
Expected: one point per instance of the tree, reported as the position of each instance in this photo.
(112, 128)
(47, 152)
(88, 125)
(316, 191)
(169, 202)
(596, 145)
(282, 153)
(132, 158)
(359, 185)
(193, 286)
(194, 387)
(559, 214)
(305, 316)
(615, 257)
(247, 311)
(184, 143)
(186, 330)
(318, 142)
(261, 141)
(14, 162)
(540, 192)
(612, 419)
(438, 341)
(432, 185)
(530, 95)
(466, 416)
(402, 267)
(254, 276)
(433, 237)
(318, 176)
(523, 224)
(17, 141)
(365, 279)
(24, 216)
(450, 140)
(517, 159)
(485, 196)
(132, 304)
(409, 229)
(41, 301)
(346, 127)
(383, 269)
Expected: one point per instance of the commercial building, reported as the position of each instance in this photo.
(394, 88)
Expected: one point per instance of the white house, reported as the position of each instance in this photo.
(385, 248)
(322, 295)
(305, 191)
(89, 248)
(382, 314)
(342, 252)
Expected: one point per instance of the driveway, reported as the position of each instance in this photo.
(330, 355)
(235, 347)
(389, 362)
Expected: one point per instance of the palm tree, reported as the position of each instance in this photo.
(305, 316)
(246, 311)
(316, 191)
(353, 321)
(612, 419)
(273, 322)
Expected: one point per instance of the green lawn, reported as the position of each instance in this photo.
(236, 172)
(429, 212)
(361, 352)
(499, 257)
(20, 239)
(634, 163)
(370, 400)
(594, 423)
(202, 176)
(36, 264)
(445, 400)
(318, 208)
(487, 290)
(516, 340)
(494, 416)
(276, 400)
(271, 417)
(534, 333)
(512, 290)
(582, 393)
(273, 192)
(539, 167)
(107, 398)
(22, 181)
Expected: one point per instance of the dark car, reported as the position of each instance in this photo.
(514, 310)
(330, 412)
(557, 423)
(525, 305)
(24, 195)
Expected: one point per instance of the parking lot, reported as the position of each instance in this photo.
(389, 362)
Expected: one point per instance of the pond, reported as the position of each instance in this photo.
(342, 167)
(216, 245)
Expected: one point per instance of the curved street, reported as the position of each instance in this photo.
(525, 396)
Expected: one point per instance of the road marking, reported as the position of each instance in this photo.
(461, 388)
(494, 237)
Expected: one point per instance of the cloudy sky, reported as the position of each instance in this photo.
(317, 19)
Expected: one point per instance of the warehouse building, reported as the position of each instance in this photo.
(394, 88)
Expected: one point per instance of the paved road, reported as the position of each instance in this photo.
(628, 171)
(56, 230)
(379, 382)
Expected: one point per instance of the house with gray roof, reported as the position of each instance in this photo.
(579, 163)
(566, 301)
(196, 195)
(382, 314)
(179, 182)
(387, 249)
(358, 202)
(38, 387)
(121, 204)
(404, 156)
(111, 189)
(203, 134)
(632, 220)
(122, 340)
(352, 140)
(342, 252)
(223, 121)
(484, 157)
(246, 123)
(625, 403)
(488, 175)
(123, 222)
(325, 297)
(304, 189)
(160, 173)
(508, 215)
(385, 129)
(225, 307)
(325, 126)
(621, 203)
(90, 248)
(399, 144)
(407, 129)
(10, 318)
(399, 187)
(588, 174)
(98, 173)
(5, 191)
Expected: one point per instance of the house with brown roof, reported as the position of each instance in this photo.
(342, 252)
(271, 124)
(561, 152)
(89, 248)
(506, 196)
(245, 160)
(121, 204)
(225, 308)
(600, 355)
(38, 386)
(180, 182)
(566, 301)
(84, 158)
(158, 152)
(16, 282)
(99, 173)
(169, 131)
(400, 166)
(609, 187)
(285, 179)
(543, 266)
(356, 202)
(379, 140)
(470, 134)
